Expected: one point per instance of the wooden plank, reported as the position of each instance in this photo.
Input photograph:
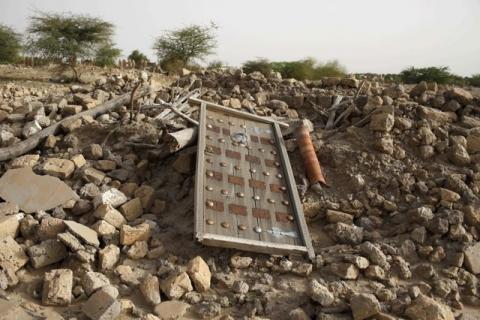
(242, 114)
(292, 190)
(277, 201)
(243, 169)
(263, 212)
(224, 222)
(199, 178)
(251, 245)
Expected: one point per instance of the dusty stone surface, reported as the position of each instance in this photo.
(60, 168)
(11, 254)
(171, 310)
(424, 308)
(112, 197)
(110, 215)
(57, 287)
(9, 225)
(46, 253)
(103, 304)
(132, 209)
(129, 235)
(200, 274)
(85, 233)
(150, 288)
(176, 285)
(472, 258)
(108, 257)
(34, 195)
(398, 222)
(364, 306)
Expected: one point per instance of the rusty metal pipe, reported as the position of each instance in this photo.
(310, 160)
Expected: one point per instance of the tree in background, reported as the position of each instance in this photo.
(138, 57)
(176, 49)
(10, 45)
(65, 38)
(440, 75)
(106, 55)
(260, 65)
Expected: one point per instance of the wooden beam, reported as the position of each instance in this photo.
(242, 114)
(199, 220)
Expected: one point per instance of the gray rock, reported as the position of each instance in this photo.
(88, 235)
(46, 253)
(103, 304)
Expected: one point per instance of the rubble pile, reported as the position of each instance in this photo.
(97, 222)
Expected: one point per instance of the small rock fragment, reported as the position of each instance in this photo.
(176, 285)
(150, 289)
(112, 197)
(240, 262)
(57, 287)
(132, 209)
(321, 294)
(364, 306)
(11, 254)
(472, 258)
(103, 304)
(171, 310)
(85, 233)
(60, 168)
(138, 250)
(108, 257)
(46, 253)
(425, 308)
(129, 235)
(199, 272)
(93, 281)
(110, 214)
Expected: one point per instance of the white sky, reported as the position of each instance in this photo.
(380, 36)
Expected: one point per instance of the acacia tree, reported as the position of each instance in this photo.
(10, 45)
(180, 47)
(67, 37)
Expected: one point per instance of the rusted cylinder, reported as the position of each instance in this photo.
(310, 160)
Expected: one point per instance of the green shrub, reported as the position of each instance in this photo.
(329, 69)
(261, 65)
(106, 55)
(138, 57)
(306, 69)
(10, 45)
(474, 80)
(216, 64)
(440, 75)
(300, 70)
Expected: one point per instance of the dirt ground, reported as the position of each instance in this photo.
(395, 223)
